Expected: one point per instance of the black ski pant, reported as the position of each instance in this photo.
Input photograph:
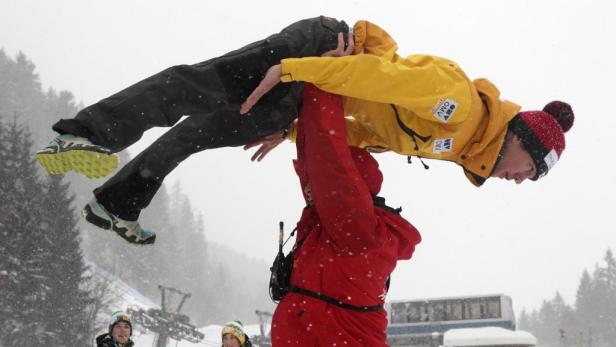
(210, 94)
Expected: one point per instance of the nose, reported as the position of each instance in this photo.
(519, 178)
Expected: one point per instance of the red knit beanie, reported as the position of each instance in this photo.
(543, 133)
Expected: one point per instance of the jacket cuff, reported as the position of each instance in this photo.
(286, 68)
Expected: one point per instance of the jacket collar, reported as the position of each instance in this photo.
(481, 157)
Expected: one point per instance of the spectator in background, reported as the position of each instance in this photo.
(233, 335)
(120, 331)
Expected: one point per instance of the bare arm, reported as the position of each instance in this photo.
(272, 76)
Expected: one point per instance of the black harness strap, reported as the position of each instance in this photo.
(380, 202)
(333, 301)
(410, 132)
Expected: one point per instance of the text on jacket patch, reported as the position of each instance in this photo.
(442, 145)
(444, 109)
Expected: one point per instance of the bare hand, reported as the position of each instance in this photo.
(272, 76)
(340, 51)
(271, 79)
(267, 143)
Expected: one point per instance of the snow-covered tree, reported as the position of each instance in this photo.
(604, 297)
(67, 299)
(24, 264)
(41, 300)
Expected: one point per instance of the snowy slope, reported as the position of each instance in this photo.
(211, 332)
(129, 297)
(126, 295)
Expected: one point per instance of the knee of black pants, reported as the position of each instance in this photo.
(227, 128)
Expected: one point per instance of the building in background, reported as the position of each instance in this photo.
(425, 322)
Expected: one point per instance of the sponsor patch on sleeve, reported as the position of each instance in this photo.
(444, 109)
(442, 145)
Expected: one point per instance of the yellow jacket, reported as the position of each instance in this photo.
(420, 105)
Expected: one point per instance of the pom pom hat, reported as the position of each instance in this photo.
(236, 329)
(543, 134)
(117, 317)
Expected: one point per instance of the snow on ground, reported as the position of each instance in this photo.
(489, 336)
(211, 332)
(126, 295)
(129, 297)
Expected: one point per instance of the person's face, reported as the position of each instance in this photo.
(230, 341)
(516, 164)
(121, 332)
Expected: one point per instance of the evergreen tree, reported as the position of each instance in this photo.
(24, 263)
(591, 322)
(564, 318)
(550, 327)
(20, 91)
(189, 251)
(42, 301)
(524, 321)
(604, 295)
(67, 300)
(585, 308)
(610, 273)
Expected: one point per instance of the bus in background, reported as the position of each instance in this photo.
(422, 323)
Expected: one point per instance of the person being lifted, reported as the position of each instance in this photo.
(421, 105)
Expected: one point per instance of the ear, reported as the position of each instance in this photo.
(511, 137)
(514, 141)
(516, 138)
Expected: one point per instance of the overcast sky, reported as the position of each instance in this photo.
(526, 241)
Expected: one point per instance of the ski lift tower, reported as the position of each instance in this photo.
(167, 322)
(264, 339)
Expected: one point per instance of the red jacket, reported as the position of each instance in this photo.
(347, 247)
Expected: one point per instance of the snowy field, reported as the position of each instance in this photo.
(489, 336)
(211, 332)
(129, 297)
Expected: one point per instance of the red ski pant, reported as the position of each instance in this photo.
(304, 321)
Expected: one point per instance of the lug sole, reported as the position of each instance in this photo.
(86, 163)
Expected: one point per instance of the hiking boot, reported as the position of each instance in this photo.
(95, 214)
(72, 153)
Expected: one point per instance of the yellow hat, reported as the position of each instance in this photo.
(236, 329)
